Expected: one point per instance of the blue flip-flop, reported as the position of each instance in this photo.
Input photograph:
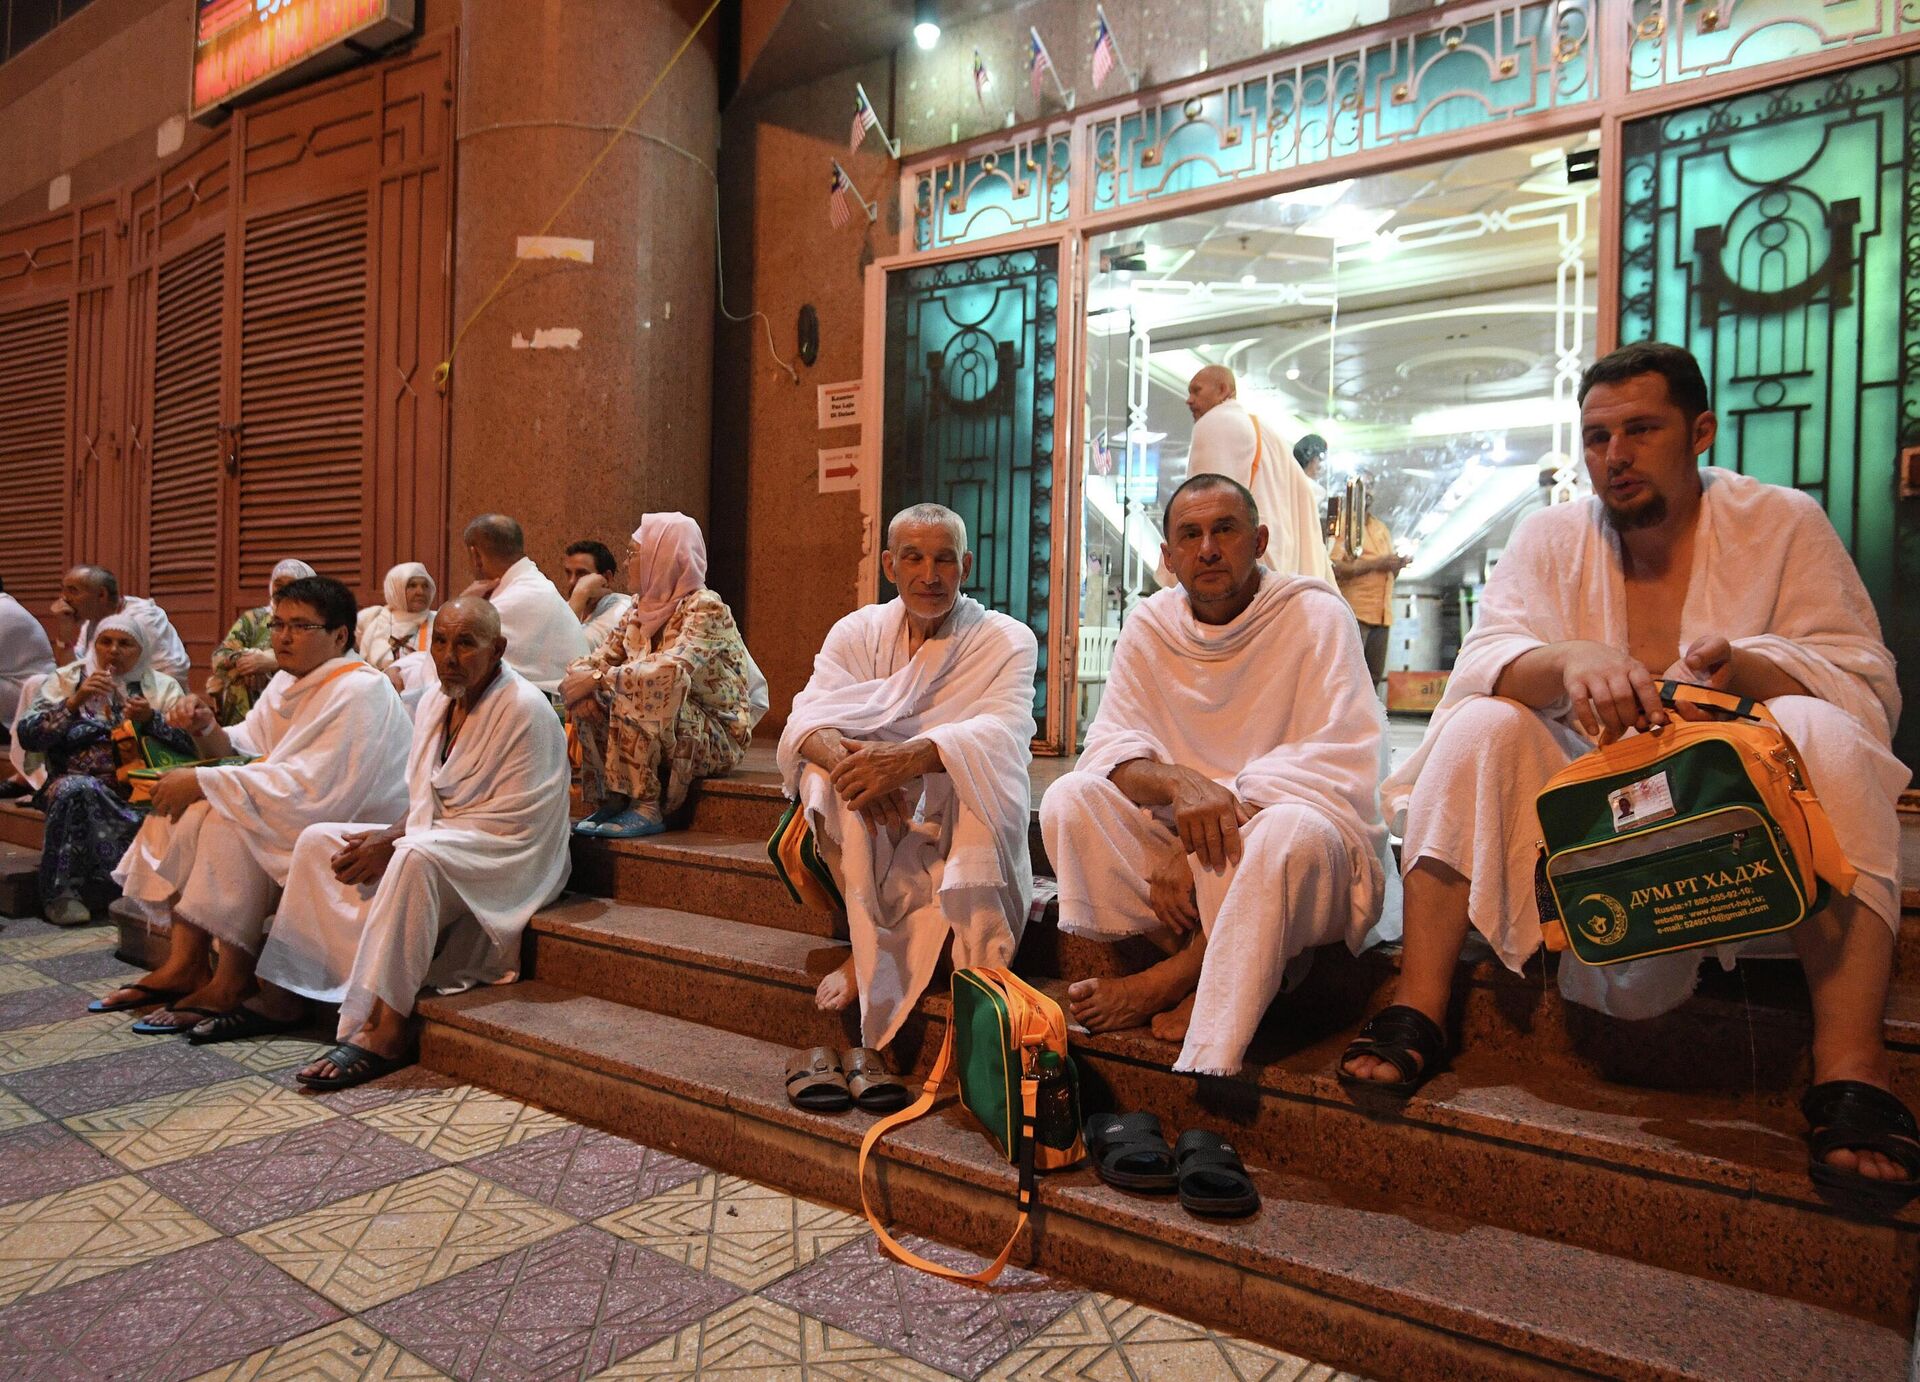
(630, 824)
(147, 1027)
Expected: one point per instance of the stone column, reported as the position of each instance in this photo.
(580, 441)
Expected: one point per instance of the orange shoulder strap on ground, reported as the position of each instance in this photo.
(1029, 1099)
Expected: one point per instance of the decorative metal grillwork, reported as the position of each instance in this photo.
(1454, 74)
(1777, 236)
(1679, 40)
(1019, 187)
(969, 418)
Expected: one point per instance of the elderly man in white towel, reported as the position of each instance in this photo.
(328, 738)
(1697, 575)
(375, 912)
(543, 633)
(1226, 805)
(91, 593)
(909, 751)
(1229, 440)
(26, 657)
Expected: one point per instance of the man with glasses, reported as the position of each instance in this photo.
(327, 738)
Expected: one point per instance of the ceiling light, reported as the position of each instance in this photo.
(1249, 281)
(926, 29)
(1293, 371)
(1345, 224)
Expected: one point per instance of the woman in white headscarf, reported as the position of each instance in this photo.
(404, 624)
(665, 699)
(70, 731)
(244, 663)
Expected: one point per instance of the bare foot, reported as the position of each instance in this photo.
(162, 980)
(1130, 1000)
(1172, 1024)
(838, 990)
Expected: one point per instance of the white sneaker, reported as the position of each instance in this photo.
(68, 910)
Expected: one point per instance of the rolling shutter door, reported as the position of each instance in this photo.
(183, 495)
(33, 420)
(303, 387)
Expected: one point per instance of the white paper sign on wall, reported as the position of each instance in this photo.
(840, 404)
(839, 469)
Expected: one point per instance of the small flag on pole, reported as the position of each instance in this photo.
(1103, 52)
(837, 209)
(863, 120)
(1038, 63)
(982, 79)
(1102, 457)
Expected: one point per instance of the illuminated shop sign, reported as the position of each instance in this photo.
(256, 46)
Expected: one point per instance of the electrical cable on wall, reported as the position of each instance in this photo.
(442, 373)
(719, 249)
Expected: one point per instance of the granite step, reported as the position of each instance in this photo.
(21, 825)
(699, 871)
(1700, 1178)
(1348, 1275)
(19, 881)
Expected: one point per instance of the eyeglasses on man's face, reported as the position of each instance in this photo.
(280, 626)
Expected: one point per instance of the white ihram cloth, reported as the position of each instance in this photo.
(327, 747)
(1224, 444)
(963, 867)
(169, 654)
(606, 616)
(543, 633)
(1769, 574)
(1276, 707)
(25, 654)
(485, 848)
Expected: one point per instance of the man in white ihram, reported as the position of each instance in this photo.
(909, 751)
(1228, 440)
(375, 912)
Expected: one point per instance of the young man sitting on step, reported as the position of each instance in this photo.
(1710, 577)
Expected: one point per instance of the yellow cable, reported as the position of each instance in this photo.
(443, 371)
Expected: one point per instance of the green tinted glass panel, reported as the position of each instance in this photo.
(1772, 235)
(969, 418)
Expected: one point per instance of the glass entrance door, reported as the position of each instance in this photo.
(968, 421)
(1771, 234)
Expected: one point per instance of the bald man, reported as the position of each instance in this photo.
(1228, 440)
(373, 913)
(90, 593)
(543, 633)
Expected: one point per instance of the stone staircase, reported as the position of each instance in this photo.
(1576, 1196)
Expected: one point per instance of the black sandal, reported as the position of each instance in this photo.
(1213, 1180)
(352, 1065)
(1405, 1038)
(1130, 1152)
(1861, 1117)
(237, 1025)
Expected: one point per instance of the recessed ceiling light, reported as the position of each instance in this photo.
(1249, 281)
(1293, 371)
(926, 29)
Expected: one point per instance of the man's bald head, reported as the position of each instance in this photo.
(1210, 386)
(467, 646)
(90, 591)
(494, 542)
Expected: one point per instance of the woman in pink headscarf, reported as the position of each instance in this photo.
(665, 699)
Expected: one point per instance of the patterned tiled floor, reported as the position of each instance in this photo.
(172, 1212)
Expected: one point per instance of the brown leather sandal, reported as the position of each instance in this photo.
(816, 1082)
(873, 1087)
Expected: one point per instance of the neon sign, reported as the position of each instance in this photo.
(249, 47)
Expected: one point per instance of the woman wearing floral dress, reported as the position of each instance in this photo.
(665, 699)
(70, 727)
(243, 664)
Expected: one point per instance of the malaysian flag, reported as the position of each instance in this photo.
(1104, 52)
(837, 209)
(1102, 457)
(1038, 63)
(863, 120)
(982, 79)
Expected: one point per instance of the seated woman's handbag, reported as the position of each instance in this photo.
(1697, 833)
(145, 760)
(1007, 1042)
(796, 858)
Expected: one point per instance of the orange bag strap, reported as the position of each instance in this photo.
(1029, 1108)
(1259, 445)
